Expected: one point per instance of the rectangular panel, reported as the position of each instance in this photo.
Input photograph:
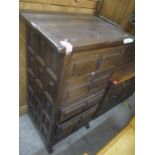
(76, 122)
(76, 92)
(66, 3)
(87, 62)
(78, 107)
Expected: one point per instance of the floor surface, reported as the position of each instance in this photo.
(82, 142)
(123, 143)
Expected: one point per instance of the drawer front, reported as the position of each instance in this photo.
(78, 107)
(94, 84)
(87, 62)
(81, 80)
(89, 73)
(75, 123)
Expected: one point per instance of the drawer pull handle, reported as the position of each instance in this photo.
(91, 84)
(99, 62)
(92, 80)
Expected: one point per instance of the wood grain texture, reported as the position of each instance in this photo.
(72, 3)
(54, 8)
(82, 31)
(22, 62)
(70, 6)
(119, 11)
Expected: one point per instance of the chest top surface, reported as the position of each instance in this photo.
(79, 30)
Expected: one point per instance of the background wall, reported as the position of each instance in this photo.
(22, 68)
(85, 6)
(121, 12)
(116, 10)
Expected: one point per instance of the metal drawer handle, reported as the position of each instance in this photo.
(99, 62)
(91, 82)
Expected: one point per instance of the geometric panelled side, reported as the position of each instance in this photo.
(41, 81)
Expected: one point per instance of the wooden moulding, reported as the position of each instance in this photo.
(68, 3)
(22, 71)
(118, 11)
(54, 8)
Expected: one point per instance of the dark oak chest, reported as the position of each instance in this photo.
(70, 60)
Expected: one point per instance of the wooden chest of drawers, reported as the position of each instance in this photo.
(70, 59)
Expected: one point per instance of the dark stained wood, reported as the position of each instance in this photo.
(80, 106)
(116, 93)
(65, 90)
(75, 123)
(81, 31)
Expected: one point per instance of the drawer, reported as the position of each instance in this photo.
(85, 62)
(81, 80)
(78, 107)
(76, 122)
(75, 93)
